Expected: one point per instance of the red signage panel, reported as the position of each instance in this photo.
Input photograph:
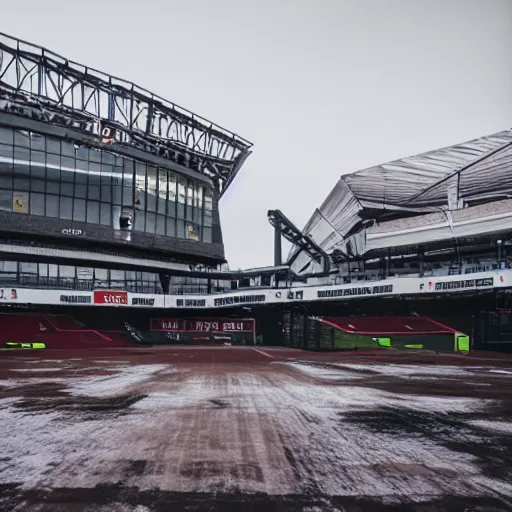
(237, 325)
(167, 324)
(207, 325)
(221, 325)
(227, 325)
(110, 297)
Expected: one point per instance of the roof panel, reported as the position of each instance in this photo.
(416, 183)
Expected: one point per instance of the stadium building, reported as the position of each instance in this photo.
(104, 184)
(109, 199)
(436, 225)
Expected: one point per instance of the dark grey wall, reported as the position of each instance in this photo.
(216, 228)
(98, 234)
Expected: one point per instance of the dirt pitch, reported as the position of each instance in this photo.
(254, 429)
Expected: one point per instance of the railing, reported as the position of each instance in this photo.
(65, 283)
(69, 283)
(13, 280)
(81, 331)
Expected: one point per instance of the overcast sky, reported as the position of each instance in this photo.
(322, 87)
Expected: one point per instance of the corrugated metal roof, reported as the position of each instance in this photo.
(407, 182)
(441, 179)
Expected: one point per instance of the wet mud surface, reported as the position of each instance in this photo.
(205, 430)
(105, 498)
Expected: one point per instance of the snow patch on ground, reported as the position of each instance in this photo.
(499, 426)
(31, 370)
(257, 429)
(195, 391)
(31, 381)
(110, 362)
(209, 413)
(323, 372)
(125, 377)
(403, 370)
(339, 371)
(44, 440)
(502, 372)
(65, 361)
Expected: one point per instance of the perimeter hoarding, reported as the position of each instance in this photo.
(226, 325)
(407, 286)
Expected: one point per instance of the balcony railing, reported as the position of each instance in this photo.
(69, 283)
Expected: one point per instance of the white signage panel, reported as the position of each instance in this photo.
(143, 300)
(15, 295)
(362, 289)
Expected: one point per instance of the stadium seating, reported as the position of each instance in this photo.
(388, 325)
(55, 331)
(393, 332)
(118, 338)
(64, 322)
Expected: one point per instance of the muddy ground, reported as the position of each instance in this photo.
(245, 429)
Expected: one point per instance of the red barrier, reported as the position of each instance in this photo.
(110, 297)
(221, 325)
(55, 331)
(388, 325)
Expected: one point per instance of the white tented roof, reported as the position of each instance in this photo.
(445, 179)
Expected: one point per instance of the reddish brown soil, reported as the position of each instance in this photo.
(259, 426)
(257, 355)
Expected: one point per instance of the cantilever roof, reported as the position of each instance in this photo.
(447, 178)
(411, 181)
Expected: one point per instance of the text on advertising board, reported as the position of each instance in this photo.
(461, 284)
(143, 301)
(110, 297)
(71, 231)
(360, 290)
(238, 299)
(76, 299)
(234, 326)
(167, 324)
(292, 295)
(202, 325)
(190, 303)
(231, 325)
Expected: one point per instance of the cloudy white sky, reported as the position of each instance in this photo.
(322, 87)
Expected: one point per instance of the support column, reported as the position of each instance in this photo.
(278, 254)
(165, 281)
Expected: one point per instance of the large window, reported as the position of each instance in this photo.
(44, 176)
(44, 275)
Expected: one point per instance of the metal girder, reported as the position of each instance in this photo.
(294, 235)
(459, 244)
(39, 84)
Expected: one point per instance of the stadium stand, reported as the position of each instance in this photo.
(93, 196)
(55, 331)
(388, 332)
(394, 332)
(126, 199)
(436, 213)
(389, 325)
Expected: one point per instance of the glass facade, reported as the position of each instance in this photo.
(46, 176)
(47, 275)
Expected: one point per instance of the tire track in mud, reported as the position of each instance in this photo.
(219, 441)
(294, 427)
(262, 428)
(445, 430)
